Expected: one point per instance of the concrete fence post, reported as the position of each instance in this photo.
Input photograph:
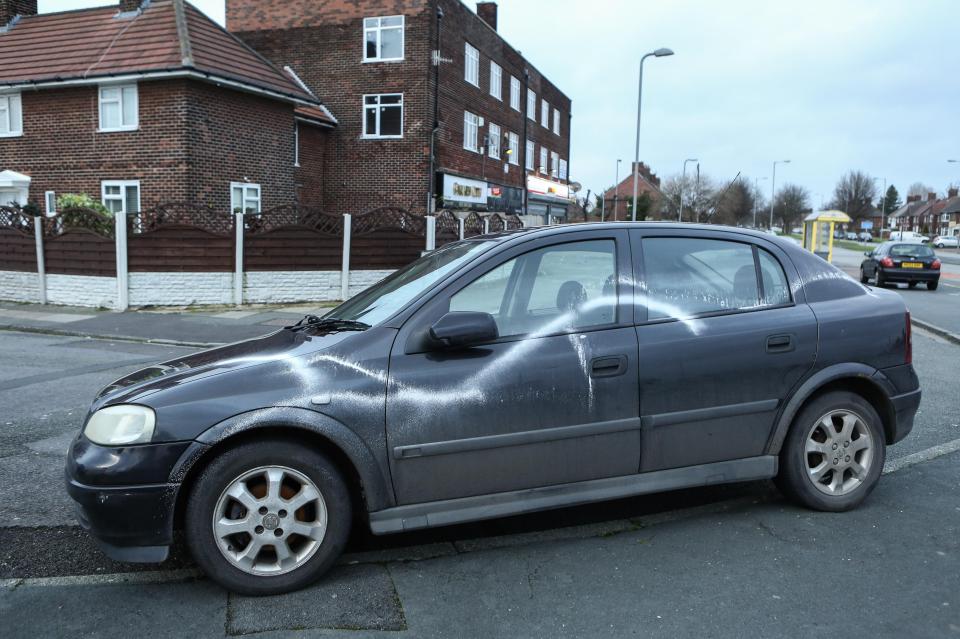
(486, 225)
(41, 267)
(345, 264)
(238, 259)
(460, 221)
(431, 232)
(123, 279)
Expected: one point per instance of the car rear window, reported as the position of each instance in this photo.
(911, 250)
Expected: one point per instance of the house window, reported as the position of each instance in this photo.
(493, 142)
(244, 197)
(50, 200)
(545, 114)
(563, 169)
(514, 93)
(383, 39)
(118, 107)
(531, 151)
(496, 80)
(383, 115)
(471, 127)
(11, 116)
(121, 196)
(513, 143)
(554, 163)
(471, 65)
(556, 121)
(531, 105)
(543, 160)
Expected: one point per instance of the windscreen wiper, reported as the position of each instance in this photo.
(331, 323)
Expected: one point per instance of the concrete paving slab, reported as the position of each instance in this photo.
(196, 609)
(56, 318)
(355, 598)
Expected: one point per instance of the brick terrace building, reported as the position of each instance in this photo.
(503, 130)
(144, 105)
(616, 199)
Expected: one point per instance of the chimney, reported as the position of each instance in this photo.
(128, 6)
(931, 197)
(912, 198)
(10, 9)
(953, 192)
(488, 13)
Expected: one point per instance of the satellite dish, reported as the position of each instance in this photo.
(575, 187)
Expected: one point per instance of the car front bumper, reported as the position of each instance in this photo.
(124, 497)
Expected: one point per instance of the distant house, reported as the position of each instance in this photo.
(617, 199)
(143, 104)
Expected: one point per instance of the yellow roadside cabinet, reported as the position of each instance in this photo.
(818, 230)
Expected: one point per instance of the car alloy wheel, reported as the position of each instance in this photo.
(839, 452)
(269, 520)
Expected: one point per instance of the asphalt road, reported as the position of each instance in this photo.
(726, 561)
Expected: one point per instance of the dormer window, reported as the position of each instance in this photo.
(118, 107)
(383, 39)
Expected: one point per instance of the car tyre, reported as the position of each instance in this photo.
(863, 277)
(217, 497)
(932, 286)
(880, 281)
(856, 435)
(911, 285)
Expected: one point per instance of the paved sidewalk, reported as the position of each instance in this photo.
(191, 327)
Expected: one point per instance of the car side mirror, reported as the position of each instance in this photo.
(464, 328)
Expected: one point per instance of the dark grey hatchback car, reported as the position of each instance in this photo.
(500, 375)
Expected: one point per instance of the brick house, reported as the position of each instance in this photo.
(616, 199)
(139, 105)
(502, 141)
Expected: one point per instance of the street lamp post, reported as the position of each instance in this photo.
(883, 207)
(756, 190)
(948, 223)
(773, 187)
(616, 190)
(659, 53)
(683, 182)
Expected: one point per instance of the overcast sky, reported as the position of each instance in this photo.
(831, 85)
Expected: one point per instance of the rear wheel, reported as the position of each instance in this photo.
(932, 286)
(268, 517)
(863, 276)
(833, 454)
(880, 280)
(911, 285)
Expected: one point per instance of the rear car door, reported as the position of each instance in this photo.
(723, 339)
(553, 400)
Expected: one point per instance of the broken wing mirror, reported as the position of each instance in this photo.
(463, 328)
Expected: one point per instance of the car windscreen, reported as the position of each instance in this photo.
(385, 298)
(911, 250)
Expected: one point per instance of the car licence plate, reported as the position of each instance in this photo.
(911, 265)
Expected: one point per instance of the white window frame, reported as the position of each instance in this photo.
(123, 185)
(244, 187)
(513, 143)
(496, 81)
(531, 105)
(514, 93)
(563, 170)
(379, 28)
(493, 140)
(542, 167)
(471, 122)
(556, 121)
(531, 155)
(544, 113)
(377, 107)
(50, 202)
(11, 115)
(471, 62)
(554, 164)
(124, 126)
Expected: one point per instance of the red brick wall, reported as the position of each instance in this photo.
(310, 175)
(193, 140)
(251, 15)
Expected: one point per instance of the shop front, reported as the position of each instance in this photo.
(547, 200)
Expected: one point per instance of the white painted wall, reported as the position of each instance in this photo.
(81, 290)
(360, 280)
(291, 286)
(180, 289)
(17, 286)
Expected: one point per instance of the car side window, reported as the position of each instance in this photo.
(552, 289)
(776, 290)
(690, 276)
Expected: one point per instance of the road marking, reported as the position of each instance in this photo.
(933, 452)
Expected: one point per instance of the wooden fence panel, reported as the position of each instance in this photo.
(292, 248)
(80, 252)
(18, 251)
(180, 248)
(447, 229)
(386, 238)
(472, 225)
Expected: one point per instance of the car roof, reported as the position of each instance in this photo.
(581, 226)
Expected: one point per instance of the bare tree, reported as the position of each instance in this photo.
(735, 206)
(790, 206)
(697, 197)
(921, 189)
(855, 194)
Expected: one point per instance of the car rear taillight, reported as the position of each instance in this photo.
(936, 265)
(909, 353)
(886, 262)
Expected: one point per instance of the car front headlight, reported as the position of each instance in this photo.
(120, 425)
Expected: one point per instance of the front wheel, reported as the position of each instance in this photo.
(863, 277)
(268, 517)
(834, 453)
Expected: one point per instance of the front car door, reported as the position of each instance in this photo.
(553, 400)
(724, 335)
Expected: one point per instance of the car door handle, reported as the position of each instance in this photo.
(780, 344)
(608, 366)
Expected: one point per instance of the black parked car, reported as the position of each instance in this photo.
(901, 262)
(499, 375)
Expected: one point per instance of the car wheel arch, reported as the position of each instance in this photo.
(862, 380)
(370, 490)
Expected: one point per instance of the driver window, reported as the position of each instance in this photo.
(556, 288)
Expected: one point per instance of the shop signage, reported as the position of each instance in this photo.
(459, 189)
(539, 186)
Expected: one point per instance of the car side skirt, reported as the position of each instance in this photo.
(456, 511)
